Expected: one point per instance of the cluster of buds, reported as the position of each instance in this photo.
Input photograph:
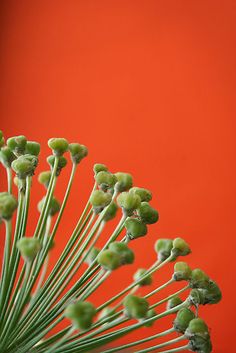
(34, 300)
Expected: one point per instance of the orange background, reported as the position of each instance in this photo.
(149, 87)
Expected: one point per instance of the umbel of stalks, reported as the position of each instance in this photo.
(83, 302)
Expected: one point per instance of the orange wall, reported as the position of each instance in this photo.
(149, 87)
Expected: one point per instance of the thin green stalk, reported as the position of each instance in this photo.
(158, 346)
(170, 297)
(6, 259)
(9, 180)
(159, 288)
(61, 341)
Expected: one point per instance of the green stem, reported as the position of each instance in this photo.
(153, 348)
(9, 180)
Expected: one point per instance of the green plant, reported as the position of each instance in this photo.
(33, 303)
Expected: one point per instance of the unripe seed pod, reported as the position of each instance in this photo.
(32, 148)
(212, 294)
(173, 302)
(180, 247)
(78, 152)
(150, 313)
(147, 213)
(105, 180)
(44, 178)
(144, 194)
(135, 228)
(100, 199)
(135, 307)
(182, 320)
(109, 260)
(92, 255)
(110, 212)
(62, 162)
(196, 297)
(200, 344)
(124, 181)
(58, 145)
(98, 167)
(197, 327)
(107, 314)
(163, 248)
(81, 314)
(17, 144)
(199, 279)
(129, 202)
(182, 272)
(24, 166)
(126, 255)
(146, 281)
(54, 206)
(7, 156)
(29, 248)
(8, 205)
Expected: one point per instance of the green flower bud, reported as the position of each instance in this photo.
(126, 255)
(58, 145)
(81, 314)
(150, 313)
(144, 194)
(147, 214)
(7, 156)
(29, 248)
(173, 302)
(109, 260)
(100, 199)
(135, 307)
(182, 320)
(146, 281)
(24, 166)
(54, 206)
(180, 247)
(32, 148)
(163, 248)
(135, 228)
(199, 279)
(99, 168)
(182, 272)
(200, 344)
(212, 294)
(197, 327)
(17, 144)
(8, 205)
(92, 255)
(44, 178)
(105, 180)
(78, 152)
(196, 297)
(107, 314)
(110, 212)
(62, 162)
(129, 202)
(124, 181)
(2, 140)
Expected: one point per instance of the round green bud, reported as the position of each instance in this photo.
(200, 344)
(128, 202)
(78, 152)
(92, 255)
(163, 248)
(180, 247)
(110, 212)
(151, 313)
(197, 327)
(199, 279)
(62, 162)
(173, 302)
(58, 145)
(81, 314)
(32, 148)
(124, 181)
(8, 205)
(147, 213)
(17, 144)
(209, 295)
(107, 314)
(24, 166)
(7, 156)
(98, 167)
(135, 228)
(100, 199)
(105, 180)
(182, 320)
(126, 255)
(196, 297)
(54, 206)
(135, 307)
(144, 194)
(44, 178)
(145, 281)
(29, 248)
(109, 260)
(182, 271)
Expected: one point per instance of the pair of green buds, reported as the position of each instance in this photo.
(116, 255)
(166, 248)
